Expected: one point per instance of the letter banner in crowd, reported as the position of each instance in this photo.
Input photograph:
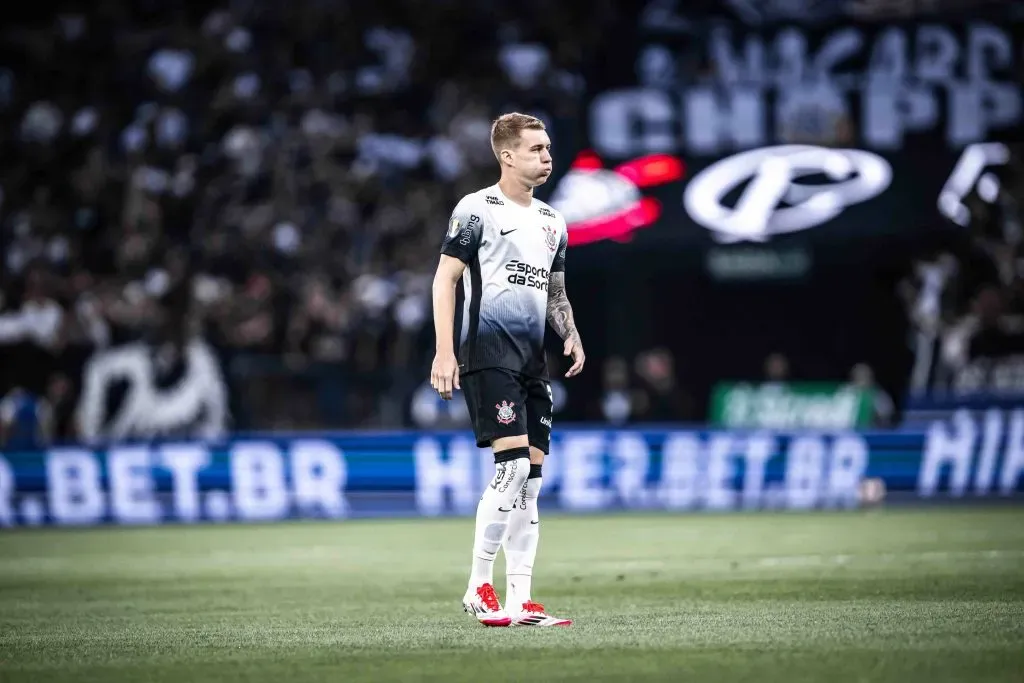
(798, 405)
(432, 474)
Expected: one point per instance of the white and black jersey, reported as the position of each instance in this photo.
(510, 252)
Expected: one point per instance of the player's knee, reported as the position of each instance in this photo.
(513, 467)
(506, 443)
(517, 480)
(533, 482)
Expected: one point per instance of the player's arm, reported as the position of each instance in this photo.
(459, 247)
(449, 271)
(560, 312)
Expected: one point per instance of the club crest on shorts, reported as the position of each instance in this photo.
(506, 414)
(550, 238)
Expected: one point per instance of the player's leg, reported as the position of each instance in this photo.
(497, 408)
(523, 536)
(524, 526)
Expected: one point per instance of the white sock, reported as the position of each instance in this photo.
(492, 516)
(521, 545)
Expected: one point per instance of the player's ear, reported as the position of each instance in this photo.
(506, 156)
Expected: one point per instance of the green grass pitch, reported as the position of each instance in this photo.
(898, 595)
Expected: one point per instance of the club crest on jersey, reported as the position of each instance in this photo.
(506, 414)
(550, 238)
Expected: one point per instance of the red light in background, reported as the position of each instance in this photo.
(587, 161)
(654, 169)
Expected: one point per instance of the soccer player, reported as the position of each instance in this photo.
(508, 250)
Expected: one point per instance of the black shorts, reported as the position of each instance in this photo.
(505, 403)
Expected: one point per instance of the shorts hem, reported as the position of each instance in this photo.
(486, 441)
(543, 448)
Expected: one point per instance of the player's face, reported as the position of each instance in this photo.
(533, 157)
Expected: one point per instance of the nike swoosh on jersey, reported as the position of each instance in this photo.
(501, 509)
(505, 232)
(536, 521)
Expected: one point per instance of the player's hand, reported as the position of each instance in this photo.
(444, 374)
(574, 348)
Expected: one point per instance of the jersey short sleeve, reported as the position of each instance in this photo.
(558, 264)
(465, 230)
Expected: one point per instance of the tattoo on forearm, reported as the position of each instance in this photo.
(559, 310)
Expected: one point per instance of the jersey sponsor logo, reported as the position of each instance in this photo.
(546, 421)
(774, 197)
(453, 227)
(545, 211)
(494, 201)
(467, 232)
(506, 412)
(522, 273)
(550, 238)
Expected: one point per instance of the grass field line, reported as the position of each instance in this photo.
(707, 563)
(926, 556)
(316, 557)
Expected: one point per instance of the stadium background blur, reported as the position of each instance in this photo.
(271, 179)
(218, 227)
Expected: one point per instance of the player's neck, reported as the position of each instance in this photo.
(516, 191)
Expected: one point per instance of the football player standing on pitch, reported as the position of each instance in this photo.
(507, 251)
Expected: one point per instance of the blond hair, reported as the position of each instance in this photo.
(507, 128)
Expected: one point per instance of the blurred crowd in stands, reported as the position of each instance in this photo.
(271, 177)
(271, 174)
(965, 297)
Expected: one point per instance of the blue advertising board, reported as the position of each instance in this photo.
(361, 474)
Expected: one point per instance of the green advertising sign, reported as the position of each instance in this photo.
(776, 405)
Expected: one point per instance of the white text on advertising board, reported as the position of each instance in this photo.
(889, 81)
